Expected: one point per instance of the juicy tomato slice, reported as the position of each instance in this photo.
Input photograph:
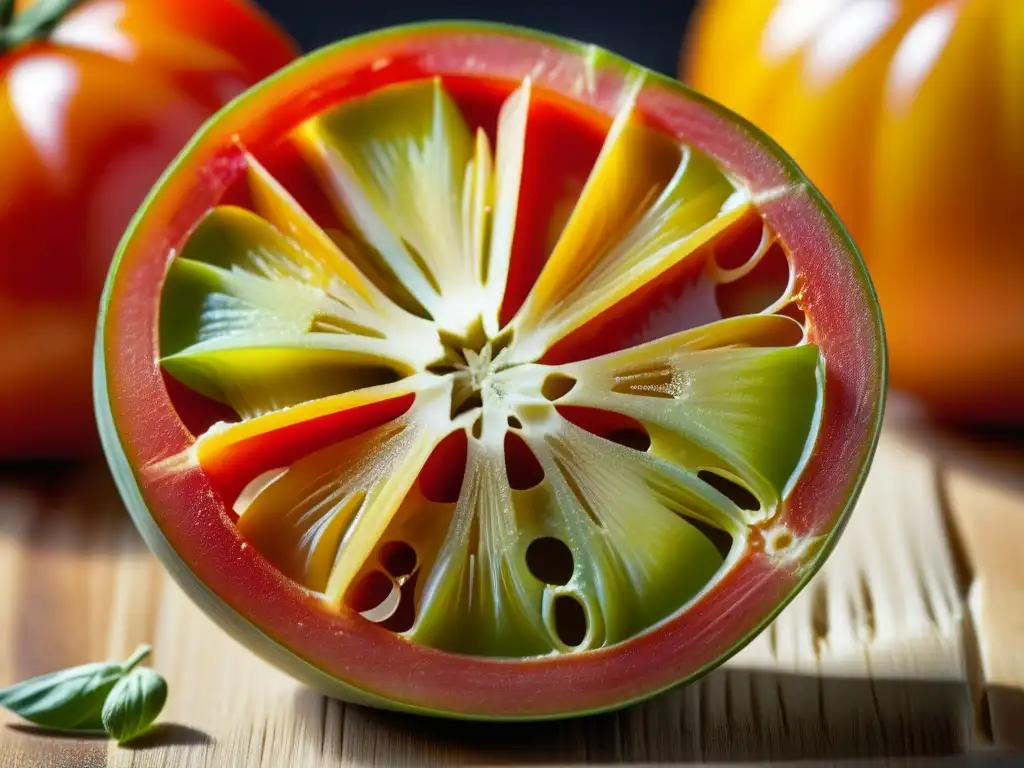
(271, 594)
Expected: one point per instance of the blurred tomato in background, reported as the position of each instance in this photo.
(96, 99)
(909, 116)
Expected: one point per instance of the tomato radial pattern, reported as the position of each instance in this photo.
(212, 507)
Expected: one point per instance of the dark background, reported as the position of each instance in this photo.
(649, 32)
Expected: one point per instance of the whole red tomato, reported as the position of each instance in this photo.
(909, 116)
(96, 98)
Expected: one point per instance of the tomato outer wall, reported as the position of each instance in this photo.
(344, 656)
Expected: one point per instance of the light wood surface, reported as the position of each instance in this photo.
(907, 647)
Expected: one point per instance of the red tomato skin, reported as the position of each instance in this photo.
(89, 119)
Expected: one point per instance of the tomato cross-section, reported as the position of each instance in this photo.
(465, 370)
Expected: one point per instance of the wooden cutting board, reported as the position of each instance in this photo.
(909, 644)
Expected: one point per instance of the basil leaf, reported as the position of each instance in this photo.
(134, 703)
(70, 700)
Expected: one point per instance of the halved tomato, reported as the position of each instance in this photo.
(467, 370)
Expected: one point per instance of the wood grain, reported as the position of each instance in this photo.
(906, 646)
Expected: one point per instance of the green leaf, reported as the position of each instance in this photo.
(69, 700)
(134, 704)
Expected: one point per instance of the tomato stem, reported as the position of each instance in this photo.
(6, 12)
(34, 23)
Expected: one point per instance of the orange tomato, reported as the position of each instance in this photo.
(90, 115)
(909, 116)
